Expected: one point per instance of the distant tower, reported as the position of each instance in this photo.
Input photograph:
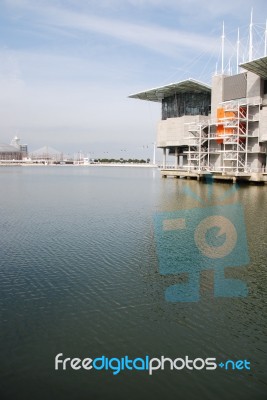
(15, 142)
(154, 153)
(22, 147)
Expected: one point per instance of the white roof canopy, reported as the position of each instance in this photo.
(258, 66)
(159, 93)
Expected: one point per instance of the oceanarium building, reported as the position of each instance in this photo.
(13, 151)
(219, 129)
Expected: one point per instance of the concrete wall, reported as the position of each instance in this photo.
(173, 131)
(215, 160)
(263, 124)
(253, 85)
(253, 144)
(235, 87)
(216, 94)
(254, 162)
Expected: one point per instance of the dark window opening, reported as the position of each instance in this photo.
(187, 103)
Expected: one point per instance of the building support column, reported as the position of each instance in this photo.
(176, 158)
(164, 158)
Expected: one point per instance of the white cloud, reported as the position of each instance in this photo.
(159, 39)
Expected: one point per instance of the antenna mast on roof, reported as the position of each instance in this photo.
(237, 52)
(265, 41)
(223, 37)
(250, 54)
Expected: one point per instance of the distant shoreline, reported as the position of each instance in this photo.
(29, 164)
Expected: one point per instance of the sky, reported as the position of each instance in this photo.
(67, 67)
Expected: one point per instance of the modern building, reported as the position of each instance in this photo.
(10, 153)
(47, 154)
(14, 151)
(22, 147)
(219, 129)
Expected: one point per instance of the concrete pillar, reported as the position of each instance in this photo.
(176, 158)
(217, 94)
(164, 158)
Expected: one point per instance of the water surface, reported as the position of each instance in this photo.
(79, 276)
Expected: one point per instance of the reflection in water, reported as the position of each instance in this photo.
(80, 275)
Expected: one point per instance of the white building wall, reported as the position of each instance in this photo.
(263, 124)
(174, 131)
(216, 94)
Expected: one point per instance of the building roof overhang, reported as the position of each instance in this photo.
(258, 66)
(159, 93)
(8, 148)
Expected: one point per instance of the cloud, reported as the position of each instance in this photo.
(150, 36)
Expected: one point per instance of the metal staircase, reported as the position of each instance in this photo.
(197, 153)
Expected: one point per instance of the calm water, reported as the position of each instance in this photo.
(79, 276)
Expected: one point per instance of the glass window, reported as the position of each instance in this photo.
(187, 103)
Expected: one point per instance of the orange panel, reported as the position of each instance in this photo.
(229, 114)
(220, 128)
(221, 114)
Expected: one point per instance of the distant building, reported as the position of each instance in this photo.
(13, 151)
(47, 154)
(10, 153)
(22, 147)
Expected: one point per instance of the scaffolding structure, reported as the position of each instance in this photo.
(198, 152)
(229, 143)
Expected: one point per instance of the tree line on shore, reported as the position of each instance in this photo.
(122, 160)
